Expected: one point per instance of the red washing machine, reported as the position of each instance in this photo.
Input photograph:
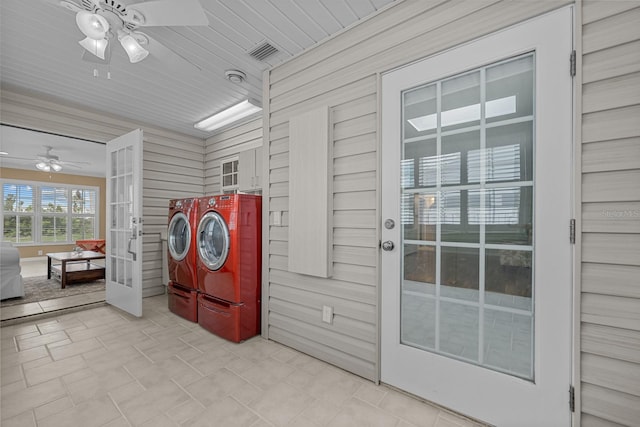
(181, 242)
(229, 263)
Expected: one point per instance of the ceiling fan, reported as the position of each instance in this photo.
(48, 162)
(104, 21)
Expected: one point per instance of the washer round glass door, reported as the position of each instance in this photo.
(213, 240)
(179, 236)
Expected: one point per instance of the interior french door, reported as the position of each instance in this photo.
(124, 223)
(476, 202)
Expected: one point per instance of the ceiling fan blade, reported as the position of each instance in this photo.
(67, 4)
(69, 165)
(73, 163)
(30, 159)
(161, 13)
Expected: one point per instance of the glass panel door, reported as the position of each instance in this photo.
(124, 223)
(476, 200)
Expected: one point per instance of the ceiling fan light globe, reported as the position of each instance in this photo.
(96, 47)
(136, 52)
(43, 166)
(92, 25)
(56, 167)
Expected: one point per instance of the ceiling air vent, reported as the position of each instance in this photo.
(263, 51)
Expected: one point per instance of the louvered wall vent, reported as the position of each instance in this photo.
(263, 51)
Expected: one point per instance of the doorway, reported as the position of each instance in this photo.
(476, 201)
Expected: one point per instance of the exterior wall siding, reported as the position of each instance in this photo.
(610, 214)
(343, 73)
(172, 163)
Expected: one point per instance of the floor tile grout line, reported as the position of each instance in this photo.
(191, 345)
(250, 409)
(142, 353)
(191, 366)
(135, 379)
(119, 410)
(187, 393)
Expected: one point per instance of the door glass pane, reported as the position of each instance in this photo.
(510, 90)
(419, 216)
(459, 330)
(419, 110)
(467, 217)
(508, 215)
(459, 273)
(460, 102)
(508, 342)
(508, 279)
(121, 216)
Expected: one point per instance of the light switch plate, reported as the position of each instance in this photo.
(277, 218)
(327, 314)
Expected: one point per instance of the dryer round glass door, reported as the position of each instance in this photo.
(179, 236)
(213, 240)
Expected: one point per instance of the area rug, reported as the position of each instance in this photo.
(40, 288)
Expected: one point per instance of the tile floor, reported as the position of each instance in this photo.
(32, 267)
(102, 367)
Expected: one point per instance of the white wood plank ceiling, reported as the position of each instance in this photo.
(39, 53)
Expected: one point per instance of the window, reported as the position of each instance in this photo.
(53, 209)
(35, 213)
(83, 213)
(18, 215)
(229, 175)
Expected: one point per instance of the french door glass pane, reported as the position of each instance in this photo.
(467, 216)
(121, 216)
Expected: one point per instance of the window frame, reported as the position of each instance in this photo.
(233, 188)
(39, 213)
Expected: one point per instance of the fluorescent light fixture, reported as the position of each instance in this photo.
(230, 115)
(96, 47)
(136, 52)
(92, 25)
(456, 116)
(3, 153)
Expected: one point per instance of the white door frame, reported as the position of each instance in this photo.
(124, 233)
(455, 394)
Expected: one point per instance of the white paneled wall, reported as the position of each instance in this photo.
(610, 269)
(173, 163)
(342, 73)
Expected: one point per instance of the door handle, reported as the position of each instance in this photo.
(388, 245)
(133, 254)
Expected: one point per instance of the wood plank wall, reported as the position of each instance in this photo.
(610, 299)
(343, 74)
(172, 162)
(226, 144)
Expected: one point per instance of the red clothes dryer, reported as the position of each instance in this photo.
(182, 254)
(229, 247)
